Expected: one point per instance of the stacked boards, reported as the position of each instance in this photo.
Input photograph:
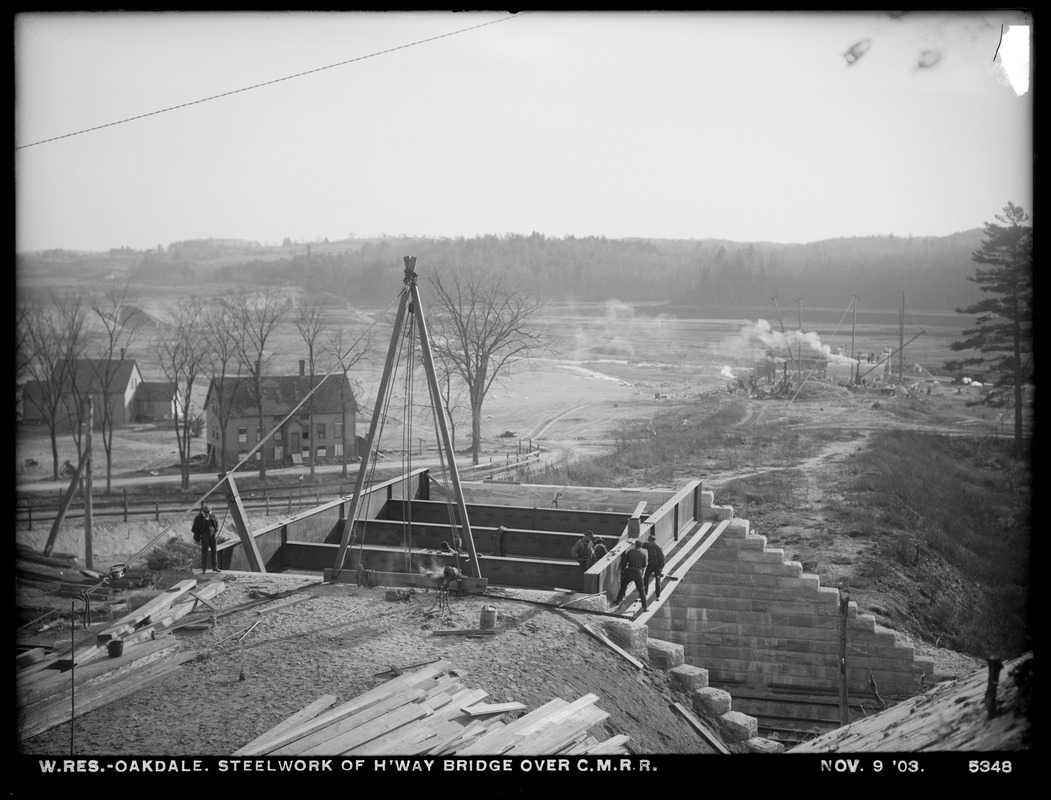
(430, 712)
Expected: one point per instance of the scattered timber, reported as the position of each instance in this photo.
(429, 712)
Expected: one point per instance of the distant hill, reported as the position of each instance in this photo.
(931, 270)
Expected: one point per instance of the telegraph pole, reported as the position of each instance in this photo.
(89, 556)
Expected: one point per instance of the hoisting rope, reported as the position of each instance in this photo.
(408, 410)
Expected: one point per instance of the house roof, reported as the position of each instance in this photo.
(90, 372)
(282, 393)
(160, 391)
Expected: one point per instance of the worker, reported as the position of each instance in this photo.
(206, 533)
(654, 563)
(583, 549)
(598, 553)
(632, 567)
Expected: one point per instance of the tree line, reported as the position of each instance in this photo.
(933, 270)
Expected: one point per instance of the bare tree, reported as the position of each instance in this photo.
(182, 350)
(117, 327)
(309, 321)
(451, 389)
(482, 326)
(224, 368)
(256, 317)
(54, 334)
(346, 354)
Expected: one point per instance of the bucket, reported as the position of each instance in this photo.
(488, 619)
(116, 648)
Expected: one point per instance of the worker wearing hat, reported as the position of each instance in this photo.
(206, 533)
(654, 563)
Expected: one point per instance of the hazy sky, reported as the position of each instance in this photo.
(750, 127)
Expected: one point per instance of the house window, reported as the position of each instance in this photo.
(242, 435)
(322, 452)
(321, 430)
(242, 455)
(279, 452)
(338, 448)
(258, 434)
(337, 433)
(306, 432)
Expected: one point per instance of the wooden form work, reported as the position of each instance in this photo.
(429, 712)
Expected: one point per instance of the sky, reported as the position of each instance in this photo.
(143, 129)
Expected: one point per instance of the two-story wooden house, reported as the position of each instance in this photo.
(333, 407)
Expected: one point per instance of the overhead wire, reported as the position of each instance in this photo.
(274, 81)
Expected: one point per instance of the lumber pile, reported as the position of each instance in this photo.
(429, 712)
(114, 662)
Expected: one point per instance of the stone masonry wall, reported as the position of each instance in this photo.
(746, 614)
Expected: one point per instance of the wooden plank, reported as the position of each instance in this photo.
(545, 723)
(301, 716)
(128, 623)
(284, 604)
(469, 632)
(612, 746)
(43, 719)
(702, 729)
(29, 657)
(320, 739)
(371, 697)
(497, 740)
(562, 727)
(479, 709)
(56, 681)
(370, 730)
(397, 579)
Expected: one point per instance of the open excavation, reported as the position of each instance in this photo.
(436, 603)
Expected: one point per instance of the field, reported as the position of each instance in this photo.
(628, 396)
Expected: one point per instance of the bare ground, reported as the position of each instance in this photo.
(340, 640)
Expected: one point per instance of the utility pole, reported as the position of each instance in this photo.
(788, 347)
(854, 328)
(89, 555)
(901, 342)
(844, 701)
(800, 348)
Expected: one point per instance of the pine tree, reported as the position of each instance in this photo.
(1003, 331)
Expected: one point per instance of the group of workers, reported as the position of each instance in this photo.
(638, 564)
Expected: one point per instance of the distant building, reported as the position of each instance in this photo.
(156, 400)
(89, 376)
(294, 440)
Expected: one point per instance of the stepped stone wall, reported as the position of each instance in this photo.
(747, 615)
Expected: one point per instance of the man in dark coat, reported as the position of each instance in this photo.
(206, 531)
(598, 553)
(583, 549)
(632, 566)
(654, 564)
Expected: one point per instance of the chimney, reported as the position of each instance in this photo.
(302, 368)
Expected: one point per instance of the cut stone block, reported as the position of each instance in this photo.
(664, 655)
(760, 745)
(597, 602)
(738, 727)
(629, 635)
(689, 677)
(711, 702)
